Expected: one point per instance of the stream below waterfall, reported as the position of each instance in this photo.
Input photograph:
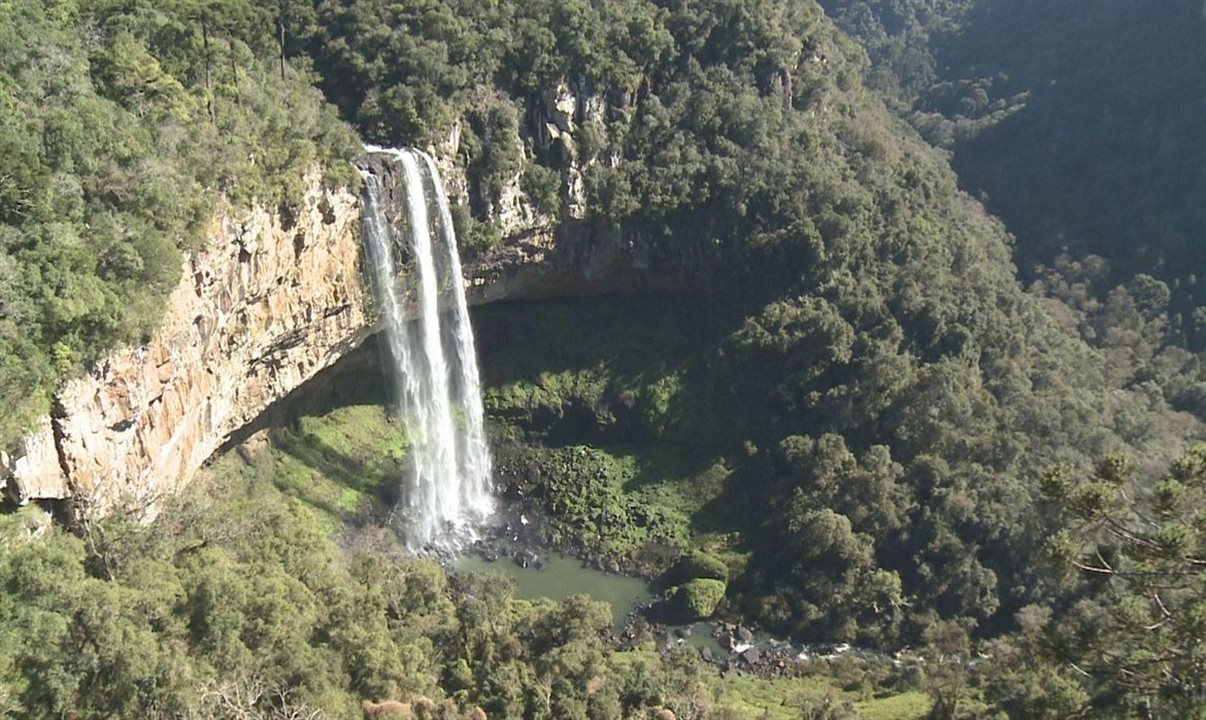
(561, 576)
(556, 576)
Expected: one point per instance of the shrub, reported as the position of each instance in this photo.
(697, 599)
(698, 565)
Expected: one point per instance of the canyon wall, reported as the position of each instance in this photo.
(278, 296)
(274, 298)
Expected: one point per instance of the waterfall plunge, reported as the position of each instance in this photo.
(447, 491)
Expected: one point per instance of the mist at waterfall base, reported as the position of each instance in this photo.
(446, 491)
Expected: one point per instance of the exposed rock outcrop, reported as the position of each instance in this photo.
(581, 258)
(275, 297)
(578, 255)
(556, 129)
(34, 467)
(278, 296)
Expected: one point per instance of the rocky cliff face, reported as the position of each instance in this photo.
(544, 257)
(581, 258)
(274, 299)
(277, 298)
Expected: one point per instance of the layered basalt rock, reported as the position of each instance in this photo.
(276, 297)
(279, 295)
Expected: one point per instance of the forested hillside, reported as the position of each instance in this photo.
(121, 125)
(1081, 125)
(877, 331)
(854, 411)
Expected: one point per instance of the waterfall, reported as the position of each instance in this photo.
(446, 493)
(474, 453)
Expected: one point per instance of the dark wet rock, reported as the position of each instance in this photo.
(526, 558)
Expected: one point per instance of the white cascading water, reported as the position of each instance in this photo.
(447, 492)
(474, 452)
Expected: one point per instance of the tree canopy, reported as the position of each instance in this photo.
(121, 126)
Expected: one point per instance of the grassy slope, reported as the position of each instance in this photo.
(745, 696)
(341, 460)
(789, 699)
(333, 443)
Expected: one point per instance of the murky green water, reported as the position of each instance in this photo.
(564, 576)
(701, 637)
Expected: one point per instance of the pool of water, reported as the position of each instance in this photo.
(563, 576)
(701, 637)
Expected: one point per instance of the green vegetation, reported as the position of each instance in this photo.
(891, 540)
(818, 697)
(875, 375)
(1091, 151)
(582, 369)
(592, 506)
(823, 538)
(1140, 631)
(342, 463)
(853, 413)
(236, 601)
(697, 599)
(239, 600)
(697, 564)
(1102, 155)
(123, 125)
(698, 582)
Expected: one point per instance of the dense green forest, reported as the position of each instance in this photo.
(1091, 150)
(121, 126)
(246, 600)
(859, 410)
(1081, 146)
(874, 329)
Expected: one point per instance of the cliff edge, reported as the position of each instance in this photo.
(275, 297)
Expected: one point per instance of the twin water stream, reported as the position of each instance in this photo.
(446, 494)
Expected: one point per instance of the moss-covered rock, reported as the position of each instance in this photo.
(697, 599)
(698, 565)
(592, 502)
